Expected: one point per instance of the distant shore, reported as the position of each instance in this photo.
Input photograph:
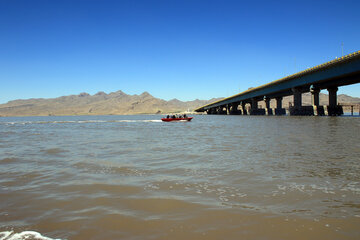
(120, 103)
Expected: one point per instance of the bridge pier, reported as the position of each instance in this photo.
(233, 109)
(298, 109)
(268, 110)
(220, 110)
(213, 111)
(333, 109)
(315, 100)
(210, 111)
(279, 110)
(295, 110)
(228, 109)
(254, 110)
(236, 110)
(253, 106)
(243, 108)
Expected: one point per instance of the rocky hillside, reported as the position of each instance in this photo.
(116, 103)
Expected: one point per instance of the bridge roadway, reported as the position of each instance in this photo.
(331, 75)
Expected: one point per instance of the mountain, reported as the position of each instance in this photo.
(115, 103)
(120, 103)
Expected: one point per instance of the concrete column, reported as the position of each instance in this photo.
(298, 109)
(211, 111)
(254, 108)
(267, 102)
(318, 110)
(243, 108)
(279, 110)
(254, 104)
(234, 108)
(221, 109)
(315, 96)
(332, 96)
(297, 97)
(268, 110)
(333, 109)
(228, 110)
(278, 102)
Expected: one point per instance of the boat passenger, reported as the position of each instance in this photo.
(167, 116)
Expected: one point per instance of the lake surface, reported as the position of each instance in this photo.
(216, 177)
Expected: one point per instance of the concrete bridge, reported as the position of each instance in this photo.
(331, 75)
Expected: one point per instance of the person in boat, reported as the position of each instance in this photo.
(173, 116)
(167, 116)
(185, 115)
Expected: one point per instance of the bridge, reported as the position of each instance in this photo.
(330, 75)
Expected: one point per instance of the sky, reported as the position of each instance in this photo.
(184, 49)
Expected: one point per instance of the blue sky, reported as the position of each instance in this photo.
(184, 49)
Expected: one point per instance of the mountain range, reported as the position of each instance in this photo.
(120, 103)
(115, 103)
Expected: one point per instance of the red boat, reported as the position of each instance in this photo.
(186, 119)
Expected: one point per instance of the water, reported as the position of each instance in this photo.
(216, 177)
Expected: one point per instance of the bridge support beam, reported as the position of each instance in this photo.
(297, 97)
(295, 110)
(210, 111)
(234, 108)
(279, 110)
(254, 104)
(243, 108)
(315, 100)
(268, 110)
(298, 109)
(254, 108)
(332, 96)
(333, 109)
(213, 111)
(220, 110)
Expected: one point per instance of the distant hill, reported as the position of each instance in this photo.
(115, 103)
(120, 103)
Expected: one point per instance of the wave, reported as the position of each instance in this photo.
(26, 235)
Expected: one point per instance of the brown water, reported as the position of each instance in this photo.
(217, 177)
